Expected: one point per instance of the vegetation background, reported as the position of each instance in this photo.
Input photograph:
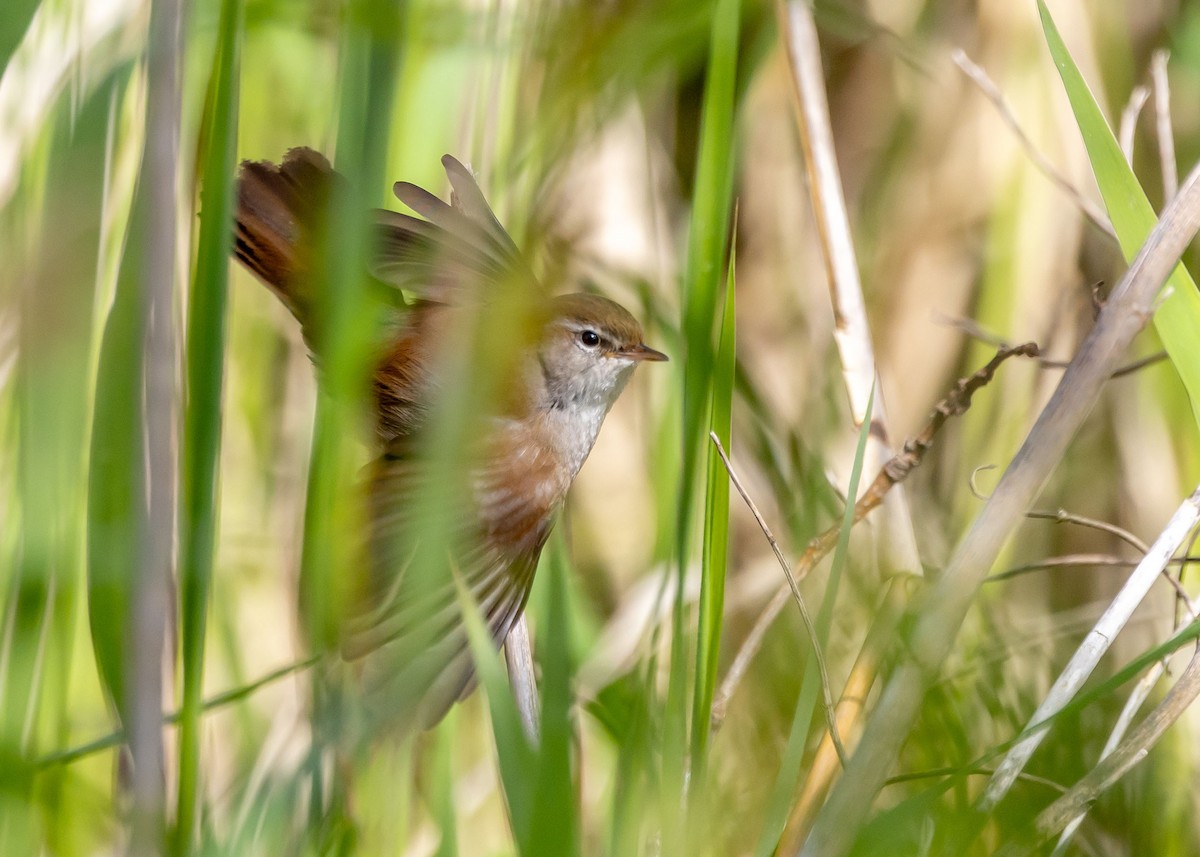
(159, 421)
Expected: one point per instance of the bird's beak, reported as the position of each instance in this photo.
(641, 352)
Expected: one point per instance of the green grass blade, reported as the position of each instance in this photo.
(332, 557)
(14, 23)
(810, 687)
(714, 552)
(554, 793)
(1177, 319)
(442, 789)
(54, 220)
(115, 472)
(203, 407)
(711, 204)
(709, 229)
(369, 58)
(516, 757)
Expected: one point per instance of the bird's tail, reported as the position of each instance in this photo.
(278, 207)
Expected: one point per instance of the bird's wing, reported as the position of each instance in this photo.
(419, 661)
(455, 253)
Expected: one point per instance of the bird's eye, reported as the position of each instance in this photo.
(589, 338)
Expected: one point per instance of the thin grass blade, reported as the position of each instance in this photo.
(1177, 317)
(715, 548)
(712, 202)
(203, 405)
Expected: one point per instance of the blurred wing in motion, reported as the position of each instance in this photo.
(420, 663)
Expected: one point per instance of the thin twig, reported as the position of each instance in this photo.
(1187, 559)
(1162, 123)
(809, 626)
(894, 471)
(1129, 118)
(1062, 516)
(975, 331)
(1078, 560)
(228, 697)
(993, 94)
(934, 773)
(1092, 560)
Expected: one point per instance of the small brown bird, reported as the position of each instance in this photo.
(533, 441)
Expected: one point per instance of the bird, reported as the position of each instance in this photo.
(555, 387)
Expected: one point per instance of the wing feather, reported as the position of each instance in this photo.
(412, 630)
(456, 252)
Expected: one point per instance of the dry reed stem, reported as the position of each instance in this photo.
(518, 655)
(851, 331)
(1162, 123)
(826, 764)
(1129, 119)
(1127, 311)
(1093, 647)
(151, 601)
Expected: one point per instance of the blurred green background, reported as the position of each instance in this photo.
(615, 140)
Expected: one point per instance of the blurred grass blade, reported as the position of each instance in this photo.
(115, 470)
(516, 757)
(332, 558)
(52, 268)
(203, 406)
(554, 792)
(1177, 319)
(709, 228)
(442, 788)
(715, 549)
(369, 56)
(810, 687)
(14, 23)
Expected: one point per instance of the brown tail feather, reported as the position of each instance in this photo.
(276, 212)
